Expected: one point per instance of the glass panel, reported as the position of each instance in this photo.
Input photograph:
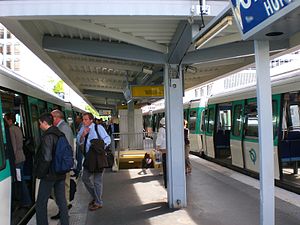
(17, 65)
(1, 33)
(224, 120)
(2, 157)
(211, 120)
(8, 49)
(17, 48)
(252, 120)
(202, 122)
(294, 112)
(35, 124)
(42, 107)
(275, 116)
(192, 120)
(237, 120)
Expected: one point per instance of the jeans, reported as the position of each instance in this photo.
(42, 201)
(25, 195)
(79, 158)
(94, 184)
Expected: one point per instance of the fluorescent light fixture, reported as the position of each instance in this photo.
(214, 31)
(147, 71)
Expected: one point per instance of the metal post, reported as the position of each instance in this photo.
(175, 144)
(264, 100)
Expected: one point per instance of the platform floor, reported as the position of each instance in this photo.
(216, 196)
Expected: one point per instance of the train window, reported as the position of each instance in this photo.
(2, 156)
(211, 120)
(237, 120)
(224, 120)
(42, 107)
(202, 122)
(252, 120)
(192, 120)
(35, 123)
(294, 115)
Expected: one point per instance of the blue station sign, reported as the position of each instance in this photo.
(251, 13)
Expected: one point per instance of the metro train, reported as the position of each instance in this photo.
(224, 128)
(27, 102)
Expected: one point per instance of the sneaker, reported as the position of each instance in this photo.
(95, 207)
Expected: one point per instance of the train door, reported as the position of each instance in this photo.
(289, 142)
(236, 137)
(13, 107)
(5, 177)
(250, 141)
(210, 130)
(193, 126)
(222, 134)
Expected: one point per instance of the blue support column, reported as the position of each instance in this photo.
(175, 145)
(264, 100)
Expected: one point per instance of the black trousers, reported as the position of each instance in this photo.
(164, 164)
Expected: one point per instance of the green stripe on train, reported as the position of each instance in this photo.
(5, 173)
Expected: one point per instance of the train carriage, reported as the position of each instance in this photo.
(27, 102)
(194, 112)
(224, 128)
(232, 126)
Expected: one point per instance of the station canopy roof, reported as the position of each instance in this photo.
(102, 48)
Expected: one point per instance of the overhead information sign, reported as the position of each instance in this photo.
(147, 91)
(251, 14)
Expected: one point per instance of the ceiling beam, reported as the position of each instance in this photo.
(93, 75)
(110, 65)
(229, 51)
(96, 87)
(180, 43)
(102, 49)
(104, 106)
(112, 33)
(104, 94)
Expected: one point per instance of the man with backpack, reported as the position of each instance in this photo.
(63, 126)
(93, 180)
(46, 171)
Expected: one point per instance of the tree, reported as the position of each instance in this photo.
(91, 110)
(59, 89)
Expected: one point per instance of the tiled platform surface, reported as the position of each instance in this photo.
(216, 196)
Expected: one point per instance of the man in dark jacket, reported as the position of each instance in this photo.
(48, 178)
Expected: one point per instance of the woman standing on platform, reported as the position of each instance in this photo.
(161, 146)
(188, 167)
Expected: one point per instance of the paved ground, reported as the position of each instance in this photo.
(216, 196)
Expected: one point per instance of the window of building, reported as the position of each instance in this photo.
(8, 63)
(9, 35)
(17, 65)
(8, 49)
(1, 33)
(17, 48)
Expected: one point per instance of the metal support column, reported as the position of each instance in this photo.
(130, 117)
(174, 129)
(264, 100)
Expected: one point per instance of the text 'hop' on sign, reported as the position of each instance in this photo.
(251, 13)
